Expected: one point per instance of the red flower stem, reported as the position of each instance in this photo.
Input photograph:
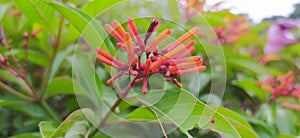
(128, 88)
(111, 80)
(144, 87)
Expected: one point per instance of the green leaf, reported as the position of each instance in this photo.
(3, 8)
(141, 114)
(60, 85)
(79, 129)
(185, 111)
(59, 58)
(95, 7)
(286, 136)
(252, 89)
(91, 31)
(46, 128)
(249, 65)
(38, 11)
(74, 123)
(35, 57)
(285, 121)
(27, 135)
(7, 102)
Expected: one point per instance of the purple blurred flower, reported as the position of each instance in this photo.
(280, 36)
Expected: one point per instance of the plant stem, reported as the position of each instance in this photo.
(46, 107)
(14, 92)
(112, 109)
(102, 122)
(48, 71)
(116, 104)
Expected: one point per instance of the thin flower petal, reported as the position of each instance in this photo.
(135, 33)
(118, 27)
(152, 28)
(111, 58)
(182, 39)
(129, 47)
(191, 70)
(113, 32)
(161, 37)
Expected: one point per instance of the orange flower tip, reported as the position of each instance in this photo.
(127, 37)
(167, 32)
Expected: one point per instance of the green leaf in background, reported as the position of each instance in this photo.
(27, 135)
(286, 120)
(248, 64)
(35, 57)
(95, 7)
(38, 11)
(3, 8)
(286, 136)
(60, 85)
(73, 125)
(252, 89)
(61, 56)
(91, 31)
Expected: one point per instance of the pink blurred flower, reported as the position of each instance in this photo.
(280, 36)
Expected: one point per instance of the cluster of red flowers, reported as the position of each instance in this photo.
(171, 61)
(282, 86)
(234, 31)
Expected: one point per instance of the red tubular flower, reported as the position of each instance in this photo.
(172, 61)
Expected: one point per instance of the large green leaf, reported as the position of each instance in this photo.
(185, 111)
(38, 11)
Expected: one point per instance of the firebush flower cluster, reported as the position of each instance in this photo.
(282, 86)
(144, 57)
(236, 29)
